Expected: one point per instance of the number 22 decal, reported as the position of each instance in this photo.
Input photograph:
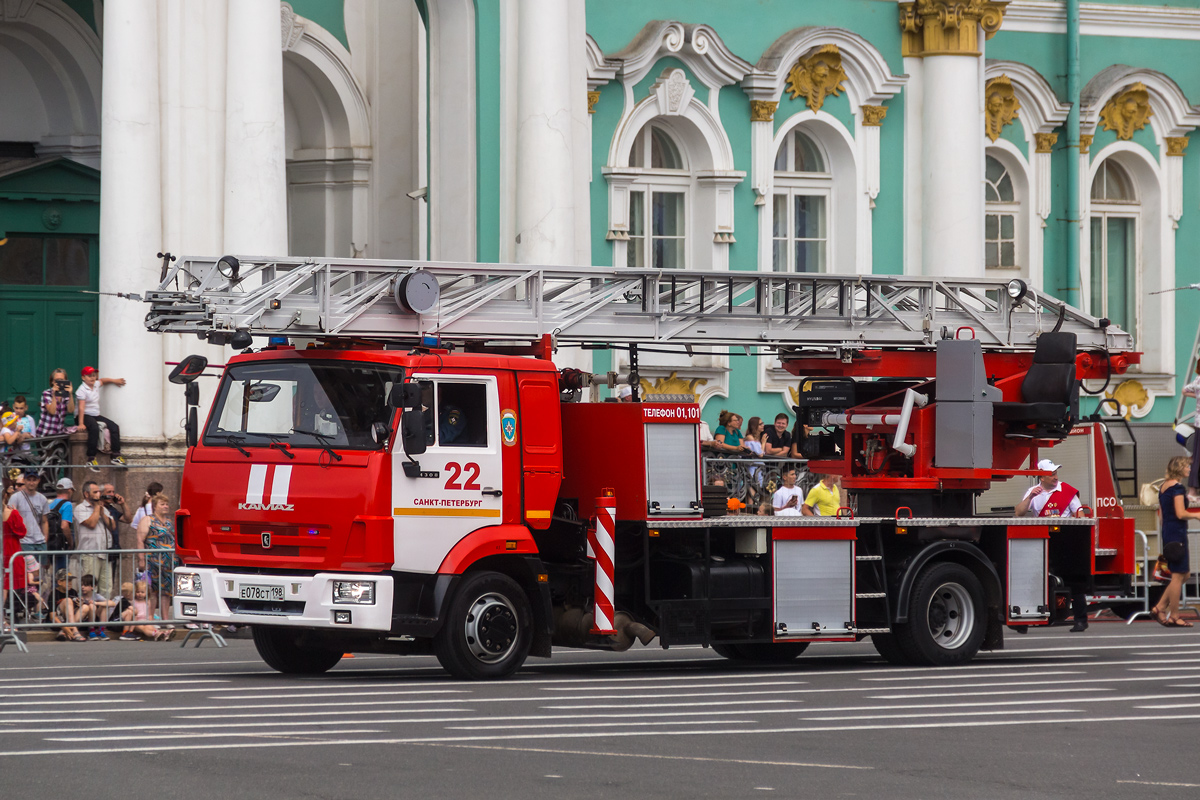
(469, 480)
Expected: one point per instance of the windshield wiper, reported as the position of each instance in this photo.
(278, 442)
(234, 442)
(323, 439)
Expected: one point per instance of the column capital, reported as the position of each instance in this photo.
(763, 110)
(1176, 145)
(1045, 142)
(873, 116)
(948, 27)
(593, 98)
(1085, 143)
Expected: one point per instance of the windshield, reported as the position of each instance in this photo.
(303, 404)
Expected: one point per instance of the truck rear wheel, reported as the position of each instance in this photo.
(280, 648)
(488, 630)
(946, 618)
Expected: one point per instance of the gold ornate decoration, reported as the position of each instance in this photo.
(1131, 395)
(1128, 111)
(763, 110)
(948, 27)
(1001, 106)
(818, 76)
(593, 98)
(1045, 142)
(1085, 143)
(1176, 145)
(873, 116)
(671, 385)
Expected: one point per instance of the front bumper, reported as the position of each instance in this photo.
(307, 601)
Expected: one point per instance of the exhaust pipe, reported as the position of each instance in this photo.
(629, 629)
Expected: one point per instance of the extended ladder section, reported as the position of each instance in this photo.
(404, 301)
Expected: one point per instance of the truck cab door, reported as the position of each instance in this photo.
(457, 487)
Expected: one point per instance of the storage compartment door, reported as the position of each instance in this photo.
(1027, 580)
(672, 469)
(814, 588)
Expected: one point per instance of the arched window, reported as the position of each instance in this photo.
(658, 201)
(800, 206)
(1002, 213)
(1114, 231)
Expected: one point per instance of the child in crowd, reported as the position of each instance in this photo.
(100, 606)
(139, 612)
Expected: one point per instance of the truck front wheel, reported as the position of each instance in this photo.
(946, 617)
(488, 630)
(280, 648)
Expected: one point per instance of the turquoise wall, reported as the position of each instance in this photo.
(329, 14)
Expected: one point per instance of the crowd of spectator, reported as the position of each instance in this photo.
(771, 492)
(61, 404)
(87, 597)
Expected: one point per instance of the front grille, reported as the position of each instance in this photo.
(265, 606)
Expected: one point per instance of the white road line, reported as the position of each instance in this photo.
(520, 717)
(297, 695)
(74, 701)
(683, 686)
(127, 666)
(1070, 681)
(525, 699)
(626, 723)
(1164, 783)
(1016, 711)
(968, 675)
(242, 745)
(15, 691)
(974, 694)
(651, 755)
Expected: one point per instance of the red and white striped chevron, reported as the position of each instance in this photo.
(602, 548)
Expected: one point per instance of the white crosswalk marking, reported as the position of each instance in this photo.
(238, 704)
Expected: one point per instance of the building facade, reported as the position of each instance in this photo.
(919, 137)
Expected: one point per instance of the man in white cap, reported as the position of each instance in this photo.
(625, 394)
(1050, 497)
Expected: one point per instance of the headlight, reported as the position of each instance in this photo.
(354, 592)
(187, 584)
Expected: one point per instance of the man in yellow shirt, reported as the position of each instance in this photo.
(824, 499)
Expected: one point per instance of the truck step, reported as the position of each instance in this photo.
(868, 558)
(871, 630)
(871, 595)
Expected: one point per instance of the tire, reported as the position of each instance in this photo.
(887, 646)
(946, 617)
(729, 651)
(488, 629)
(282, 652)
(765, 652)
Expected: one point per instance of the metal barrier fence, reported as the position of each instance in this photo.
(129, 595)
(753, 479)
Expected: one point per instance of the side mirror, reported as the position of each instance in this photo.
(412, 432)
(188, 370)
(380, 432)
(405, 395)
(192, 427)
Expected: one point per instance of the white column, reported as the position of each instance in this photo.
(952, 189)
(255, 158)
(130, 216)
(544, 174)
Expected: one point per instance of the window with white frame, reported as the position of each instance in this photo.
(1002, 214)
(1114, 233)
(800, 206)
(658, 202)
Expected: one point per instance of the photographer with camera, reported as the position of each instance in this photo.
(57, 402)
(94, 526)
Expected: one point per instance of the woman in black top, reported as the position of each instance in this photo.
(1172, 501)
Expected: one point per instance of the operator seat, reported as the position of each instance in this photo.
(1050, 393)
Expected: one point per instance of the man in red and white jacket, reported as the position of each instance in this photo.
(1050, 497)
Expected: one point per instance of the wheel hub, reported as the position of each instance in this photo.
(491, 628)
(951, 615)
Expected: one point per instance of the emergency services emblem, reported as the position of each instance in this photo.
(266, 540)
(508, 425)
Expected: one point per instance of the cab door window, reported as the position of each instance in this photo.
(462, 414)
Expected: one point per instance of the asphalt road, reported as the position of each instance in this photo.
(1109, 713)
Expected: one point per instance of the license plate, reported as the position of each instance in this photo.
(261, 592)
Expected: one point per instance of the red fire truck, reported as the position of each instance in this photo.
(399, 466)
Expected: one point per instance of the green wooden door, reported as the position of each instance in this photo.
(49, 260)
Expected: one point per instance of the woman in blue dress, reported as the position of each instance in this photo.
(1172, 501)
